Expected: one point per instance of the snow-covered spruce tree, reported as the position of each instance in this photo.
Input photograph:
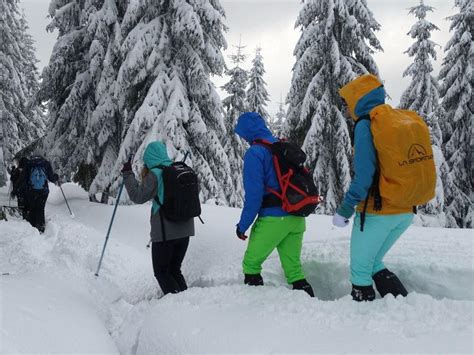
(66, 86)
(335, 46)
(257, 95)
(235, 104)
(456, 120)
(21, 118)
(74, 85)
(103, 132)
(279, 120)
(422, 96)
(163, 89)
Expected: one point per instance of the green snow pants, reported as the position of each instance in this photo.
(283, 233)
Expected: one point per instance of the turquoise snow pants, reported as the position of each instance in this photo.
(369, 247)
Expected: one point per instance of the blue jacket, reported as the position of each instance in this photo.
(365, 156)
(259, 172)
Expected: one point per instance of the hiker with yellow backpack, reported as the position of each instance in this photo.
(394, 172)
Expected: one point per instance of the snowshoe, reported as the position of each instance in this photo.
(253, 280)
(387, 282)
(303, 285)
(363, 293)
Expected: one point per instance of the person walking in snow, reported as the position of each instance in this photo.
(394, 171)
(170, 239)
(19, 188)
(274, 228)
(37, 173)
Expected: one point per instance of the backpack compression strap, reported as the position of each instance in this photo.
(283, 180)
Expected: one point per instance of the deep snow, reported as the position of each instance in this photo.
(52, 302)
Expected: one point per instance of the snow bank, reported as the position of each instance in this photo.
(71, 191)
(278, 320)
(47, 314)
(51, 285)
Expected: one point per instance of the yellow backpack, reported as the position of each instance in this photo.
(405, 156)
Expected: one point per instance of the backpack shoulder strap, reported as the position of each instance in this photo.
(352, 133)
(262, 142)
(362, 118)
(266, 144)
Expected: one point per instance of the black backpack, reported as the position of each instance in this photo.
(181, 192)
(298, 194)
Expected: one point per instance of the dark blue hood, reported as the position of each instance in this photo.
(251, 126)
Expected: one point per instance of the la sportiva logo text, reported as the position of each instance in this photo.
(416, 154)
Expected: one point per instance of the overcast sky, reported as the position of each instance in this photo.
(270, 25)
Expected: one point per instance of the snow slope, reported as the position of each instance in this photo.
(52, 302)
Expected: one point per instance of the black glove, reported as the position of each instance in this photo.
(56, 179)
(127, 167)
(240, 235)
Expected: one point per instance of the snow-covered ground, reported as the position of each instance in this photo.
(51, 302)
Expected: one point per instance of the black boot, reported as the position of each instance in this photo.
(167, 283)
(303, 285)
(362, 293)
(253, 280)
(180, 280)
(387, 282)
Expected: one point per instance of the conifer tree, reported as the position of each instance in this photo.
(74, 84)
(456, 119)
(22, 119)
(422, 96)
(257, 95)
(336, 45)
(128, 73)
(235, 104)
(163, 89)
(280, 118)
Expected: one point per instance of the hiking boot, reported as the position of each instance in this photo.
(363, 293)
(253, 280)
(303, 285)
(387, 282)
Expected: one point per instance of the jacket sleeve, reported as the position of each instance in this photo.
(140, 193)
(49, 172)
(254, 186)
(365, 165)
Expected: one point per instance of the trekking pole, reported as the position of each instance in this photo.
(110, 227)
(185, 157)
(65, 199)
(130, 159)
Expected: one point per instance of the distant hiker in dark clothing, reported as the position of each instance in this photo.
(19, 187)
(274, 228)
(37, 173)
(170, 240)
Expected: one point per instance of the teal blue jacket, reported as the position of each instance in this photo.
(365, 156)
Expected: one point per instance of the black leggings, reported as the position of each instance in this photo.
(167, 258)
